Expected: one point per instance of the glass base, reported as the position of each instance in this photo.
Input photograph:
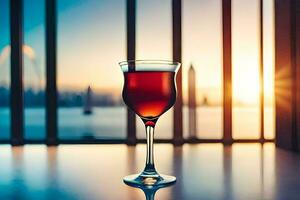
(153, 180)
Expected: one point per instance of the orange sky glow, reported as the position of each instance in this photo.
(89, 54)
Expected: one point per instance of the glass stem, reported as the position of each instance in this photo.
(150, 194)
(150, 157)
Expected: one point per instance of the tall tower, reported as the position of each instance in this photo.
(192, 105)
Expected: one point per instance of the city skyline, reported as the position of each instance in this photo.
(88, 54)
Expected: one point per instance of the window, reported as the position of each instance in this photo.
(269, 115)
(245, 69)
(202, 48)
(4, 70)
(34, 69)
(91, 42)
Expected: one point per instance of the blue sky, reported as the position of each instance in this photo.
(86, 29)
(34, 11)
(4, 23)
(34, 15)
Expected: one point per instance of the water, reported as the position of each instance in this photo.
(110, 122)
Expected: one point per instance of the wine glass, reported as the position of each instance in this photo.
(149, 90)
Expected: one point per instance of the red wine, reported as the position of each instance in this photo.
(149, 93)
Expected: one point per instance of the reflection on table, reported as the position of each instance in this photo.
(203, 171)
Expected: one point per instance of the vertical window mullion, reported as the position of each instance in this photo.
(227, 69)
(261, 73)
(16, 94)
(51, 87)
(177, 49)
(131, 51)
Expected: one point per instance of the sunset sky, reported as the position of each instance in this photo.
(92, 40)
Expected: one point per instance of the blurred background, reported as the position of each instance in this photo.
(91, 40)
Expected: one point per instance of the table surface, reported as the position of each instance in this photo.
(203, 171)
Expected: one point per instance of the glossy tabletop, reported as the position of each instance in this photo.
(203, 171)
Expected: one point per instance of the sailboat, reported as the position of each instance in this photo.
(87, 108)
